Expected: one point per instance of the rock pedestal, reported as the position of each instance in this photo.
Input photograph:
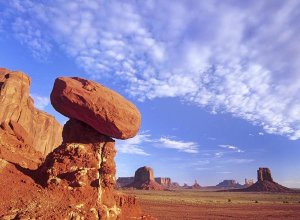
(84, 165)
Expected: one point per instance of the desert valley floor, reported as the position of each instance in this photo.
(202, 204)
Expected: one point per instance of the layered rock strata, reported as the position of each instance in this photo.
(84, 163)
(39, 130)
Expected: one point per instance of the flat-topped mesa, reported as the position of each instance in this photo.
(264, 174)
(101, 108)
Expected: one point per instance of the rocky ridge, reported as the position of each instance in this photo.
(77, 179)
(20, 120)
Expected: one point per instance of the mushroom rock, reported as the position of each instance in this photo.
(78, 177)
(83, 167)
(17, 109)
(103, 109)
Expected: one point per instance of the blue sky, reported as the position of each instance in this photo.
(217, 82)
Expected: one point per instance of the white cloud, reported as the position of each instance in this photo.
(219, 55)
(261, 133)
(219, 154)
(133, 145)
(40, 102)
(187, 147)
(231, 147)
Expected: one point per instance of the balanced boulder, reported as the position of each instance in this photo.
(101, 108)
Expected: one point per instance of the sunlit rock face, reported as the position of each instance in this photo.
(103, 109)
(77, 179)
(39, 130)
(83, 167)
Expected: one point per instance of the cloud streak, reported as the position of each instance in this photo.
(181, 146)
(217, 55)
(231, 147)
(133, 145)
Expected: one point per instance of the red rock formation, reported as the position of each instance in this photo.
(264, 174)
(229, 184)
(124, 181)
(196, 185)
(265, 183)
(17, 109)
(76, 180)
(84, 163)
(144, 179)
(165, 181)
(101, 108)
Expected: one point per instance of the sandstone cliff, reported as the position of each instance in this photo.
(18, 107)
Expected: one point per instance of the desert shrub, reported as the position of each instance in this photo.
(256, 201)
(229, 200)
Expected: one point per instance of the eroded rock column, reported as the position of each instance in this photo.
(83, 167)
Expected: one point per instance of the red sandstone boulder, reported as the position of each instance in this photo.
(33, 126)
(101, 108)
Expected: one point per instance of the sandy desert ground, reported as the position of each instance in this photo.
(201, 204)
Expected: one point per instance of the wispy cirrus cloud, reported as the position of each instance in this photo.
(181, 146)
(133, 145)
(217, 55)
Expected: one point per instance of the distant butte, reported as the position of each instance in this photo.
(265, 183)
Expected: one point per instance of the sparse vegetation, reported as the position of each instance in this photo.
(200, 204)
